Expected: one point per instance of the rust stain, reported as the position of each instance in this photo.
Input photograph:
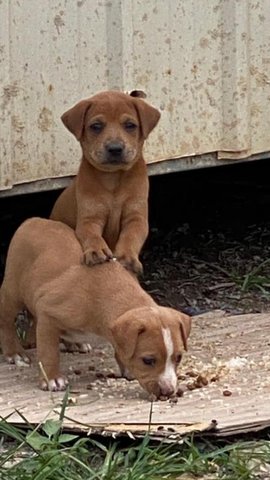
(261, 78)
(171, 105)
(211, 81)
(204, 42)
(194, 69)
(20, 146)
(46, 158)
(233, 124)
(255, 110)
(210, 98)
(58, 21)
(9, 91)
(184, 148)
(17, 124)
(45, 120)
(195, 143)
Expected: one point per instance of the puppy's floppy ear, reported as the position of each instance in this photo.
(137, 93)
(125, 331)
(148, 115)
(73, 118)
(185, 327)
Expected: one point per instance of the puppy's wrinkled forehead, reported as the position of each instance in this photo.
(166, 331)
(112, 106)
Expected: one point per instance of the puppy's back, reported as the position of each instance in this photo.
(36, 238)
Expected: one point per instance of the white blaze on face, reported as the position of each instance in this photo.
(168, 378)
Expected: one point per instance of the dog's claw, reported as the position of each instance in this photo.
(19, 359)
(54, 385)
(66, 346)
(132, 264)
(95, 257)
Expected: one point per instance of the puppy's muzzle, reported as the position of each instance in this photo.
(115, 153)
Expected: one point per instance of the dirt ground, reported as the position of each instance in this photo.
(214, 269)
(209, 240)
(209, 243)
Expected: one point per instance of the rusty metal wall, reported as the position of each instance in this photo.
(205, 64)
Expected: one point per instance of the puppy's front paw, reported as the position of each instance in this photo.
(19, 359)
(54, 385)
(98, 253)
(131, 263)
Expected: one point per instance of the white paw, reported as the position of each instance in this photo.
(84, 347)
(75, 347)
(55, 384)
(19, 359)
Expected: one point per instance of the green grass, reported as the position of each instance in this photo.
(51, 454)
(47, 452)
(256, 278)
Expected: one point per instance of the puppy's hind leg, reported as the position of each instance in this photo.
(11, 347)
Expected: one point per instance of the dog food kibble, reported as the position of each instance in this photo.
(227, 393)
(192, 373)
(180, 391)
(203, 380)
(163, 398)
(173, 400)
(112, 375)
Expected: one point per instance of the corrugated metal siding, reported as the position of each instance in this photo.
(206, 65)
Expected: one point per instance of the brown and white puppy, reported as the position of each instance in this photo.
(107, 300)
(106, 203)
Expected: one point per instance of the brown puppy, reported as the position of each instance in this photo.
(63, 294)
(107, 202)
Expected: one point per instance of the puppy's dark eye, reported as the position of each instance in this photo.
(130, 126)
(149, 361)
(178, 358)
(96, 127)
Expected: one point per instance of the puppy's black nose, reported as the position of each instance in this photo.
(115, 149)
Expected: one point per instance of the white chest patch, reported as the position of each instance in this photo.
(168, 376)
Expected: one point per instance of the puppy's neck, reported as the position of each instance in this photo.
(122, 291)
(110, 181)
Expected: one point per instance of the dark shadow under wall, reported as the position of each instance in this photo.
(215, 217)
